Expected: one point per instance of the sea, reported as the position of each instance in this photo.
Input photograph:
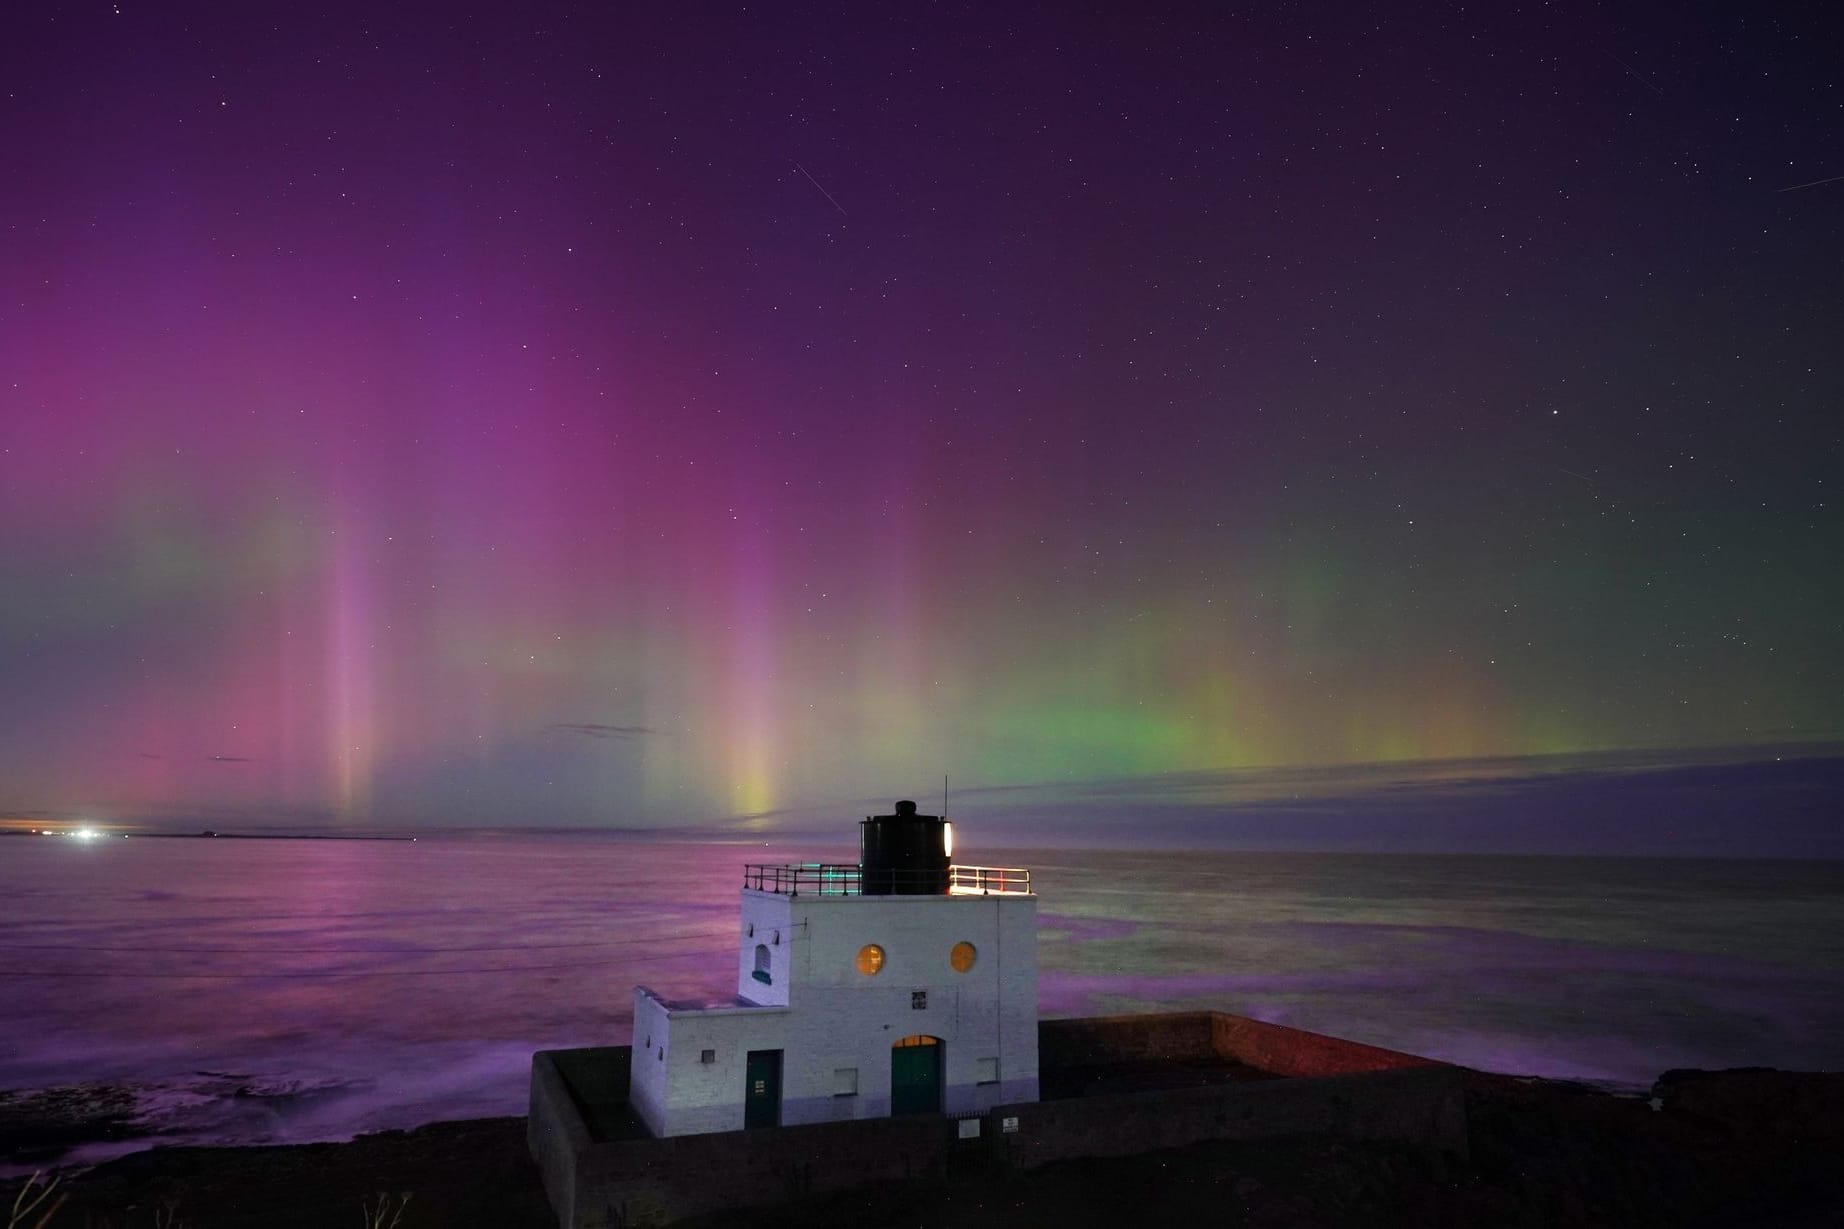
(229, 991)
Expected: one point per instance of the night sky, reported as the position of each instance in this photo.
(656, 414)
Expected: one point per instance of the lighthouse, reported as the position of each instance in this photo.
(903, 984)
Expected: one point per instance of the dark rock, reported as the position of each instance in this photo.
(43, 1124)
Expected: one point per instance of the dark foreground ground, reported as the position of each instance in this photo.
(1736, 1150)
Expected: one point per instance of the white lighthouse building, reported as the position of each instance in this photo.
(904, 984)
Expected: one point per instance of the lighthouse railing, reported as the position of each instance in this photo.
(847, 879)
(989, 881)
(804, 878)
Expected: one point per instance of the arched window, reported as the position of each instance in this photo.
(761, 974)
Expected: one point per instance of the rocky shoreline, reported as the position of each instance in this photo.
(41, 1127)
(1737, 1149)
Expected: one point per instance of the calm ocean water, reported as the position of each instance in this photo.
(284, 991)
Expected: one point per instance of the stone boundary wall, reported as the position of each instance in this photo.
(1424, 1106)
(557, 1134)
(1339, 1089)
(598, 1082)
(1202, 1036)
(1295, 1052)
(1090, 1041)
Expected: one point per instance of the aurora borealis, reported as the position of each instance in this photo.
(563, 415)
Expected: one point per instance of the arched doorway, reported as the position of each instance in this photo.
(915, 1075)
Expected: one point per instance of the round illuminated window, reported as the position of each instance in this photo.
(962, 957)
(870, 959)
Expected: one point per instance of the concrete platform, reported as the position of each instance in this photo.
(1115, 1085)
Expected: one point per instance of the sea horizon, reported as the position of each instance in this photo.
(809, 840)
(1775, 801)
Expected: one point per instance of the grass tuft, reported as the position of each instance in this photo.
(30, 1198)
(389, 1211)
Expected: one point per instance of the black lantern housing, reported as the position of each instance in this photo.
(904, 854)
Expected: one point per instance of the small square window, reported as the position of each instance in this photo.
(918, 1000)
(845, 1081)
(986, 1071)
(707, 1056)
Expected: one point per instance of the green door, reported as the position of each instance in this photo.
(762, 1095)
(915, 1076)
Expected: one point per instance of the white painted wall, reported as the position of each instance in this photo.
(766, 920)
(831, 1016)
(686, 1095)
(646, 1073)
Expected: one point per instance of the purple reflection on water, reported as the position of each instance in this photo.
(1055, 927)
(279, 991)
